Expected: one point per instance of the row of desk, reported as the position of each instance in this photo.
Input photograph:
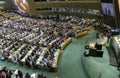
(66, 43)
(79, 28)
(62, 46)
(81, 34)
(55, 59)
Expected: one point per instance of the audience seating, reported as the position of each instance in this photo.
(34, 42)
(28, 53)
(88, 28)
(11, 73)
(82, 34)
(64, 44)
(76, 28)
(56, 59)
(39, 60)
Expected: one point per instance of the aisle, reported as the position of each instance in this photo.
(70, 64)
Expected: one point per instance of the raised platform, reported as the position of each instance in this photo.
(99, 67)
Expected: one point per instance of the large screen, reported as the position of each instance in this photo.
(108, 9)
(22, 5)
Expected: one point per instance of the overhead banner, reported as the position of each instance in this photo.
(22, 5)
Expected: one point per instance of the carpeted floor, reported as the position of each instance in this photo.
(70, 63)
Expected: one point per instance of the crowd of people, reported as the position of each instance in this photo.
(8, 73)
(36, 42)
(29, 55)
(37, 31)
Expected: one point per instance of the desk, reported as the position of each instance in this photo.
(16, 52)
(7, 48)
(88, 28)
(51, 43)
(29, 53)
(35, 38)
(115, 43)
(81, 34)
(65, 26)
(13, 38)
(30, 35)
(6, 37)
(41, 57)
(64, 44)
(42, 41)
(21, 40)
(30, 42)
(76, 28)
(56, 59)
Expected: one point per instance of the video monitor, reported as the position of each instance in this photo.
(22, 5)
(108, 9)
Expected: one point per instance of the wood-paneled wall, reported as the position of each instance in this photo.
(84, 4)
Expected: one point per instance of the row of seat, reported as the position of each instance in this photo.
(38, 42)
(11, 73)
(21, 53)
